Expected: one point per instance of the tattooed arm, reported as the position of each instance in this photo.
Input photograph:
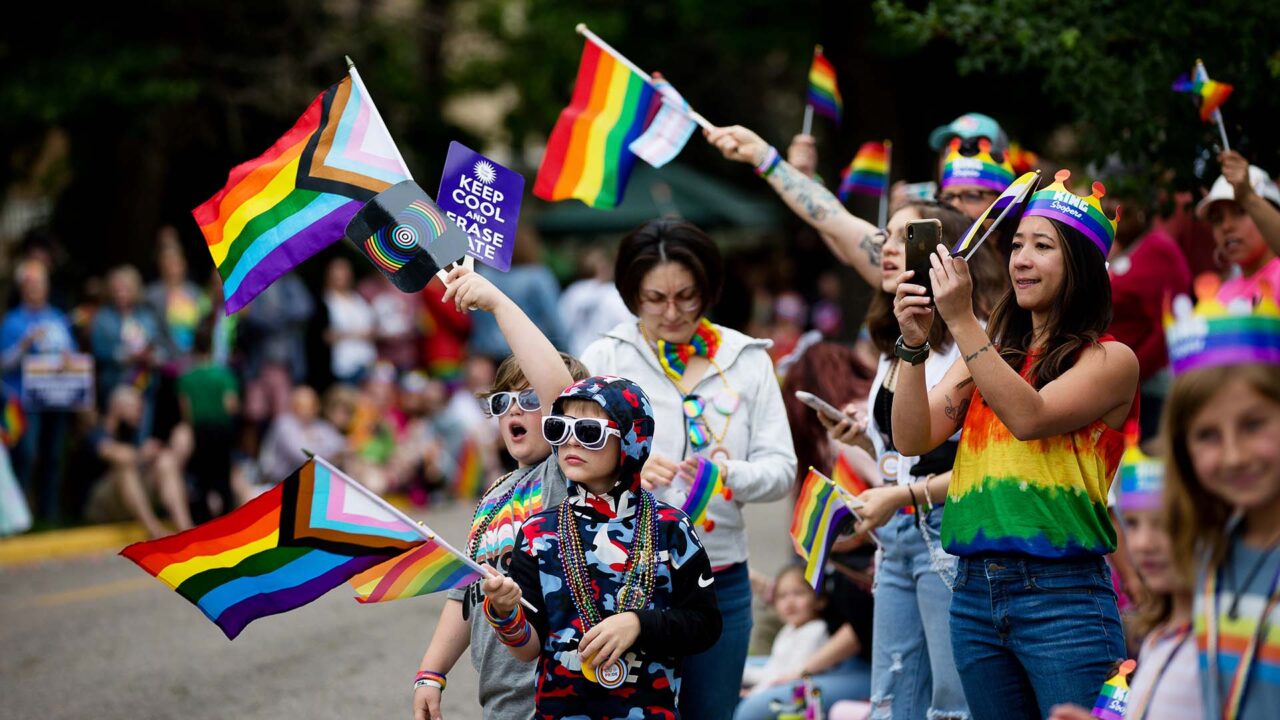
(854, 241)
(924, 419)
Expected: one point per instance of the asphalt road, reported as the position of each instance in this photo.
(97, 638)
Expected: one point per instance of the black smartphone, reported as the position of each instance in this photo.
(923, 237)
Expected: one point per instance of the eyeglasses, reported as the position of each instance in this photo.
(658, 303)
(497, 404)
(694, 406)
(968, 196)
(591, 433)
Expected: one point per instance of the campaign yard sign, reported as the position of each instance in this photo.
(483, 198)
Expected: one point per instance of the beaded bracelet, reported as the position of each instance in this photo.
(429, 678)
(513, 630)
(770, 161)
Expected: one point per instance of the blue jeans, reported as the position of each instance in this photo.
(1029, 634)
(850, 680)
(913, 670)
(709, 681)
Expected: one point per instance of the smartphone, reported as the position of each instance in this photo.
(923, 237)
(822, 406)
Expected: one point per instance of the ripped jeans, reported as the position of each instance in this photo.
(913, 671)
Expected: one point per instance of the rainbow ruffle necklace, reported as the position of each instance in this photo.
(674, 357)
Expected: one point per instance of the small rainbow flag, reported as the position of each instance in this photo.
(468, 474)
(279, 551)
(845, 478)
(707, 483)
(820, 511)
(431, 567)
(296, 199)
(13, 422)
(867, 173)
(1113, 700)
(587, 154)
(1212, 93)
(824, 93)
(1009, 203)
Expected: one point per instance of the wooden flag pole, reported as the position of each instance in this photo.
(583, 30)
(423, 530)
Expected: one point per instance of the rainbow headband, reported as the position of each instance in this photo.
(1084, 214)
(1141, 476)
(1211, 334)
(980, 169)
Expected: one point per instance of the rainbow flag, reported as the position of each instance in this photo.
(707, 483)
(1113, 700)
(296, 199)
(824, 93)
(509, 511)
(13, 422)
(588, 155)
(1011, 202)
(819, 514)
(867, 173)
(431, 567)
(468, 474)
(845, 478)
(1212, 93)
(279, 551)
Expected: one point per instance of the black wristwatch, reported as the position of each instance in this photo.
(913, 355)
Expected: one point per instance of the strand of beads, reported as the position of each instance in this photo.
(638, 579)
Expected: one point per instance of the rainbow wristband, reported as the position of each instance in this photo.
(770, 161)
(513, 630)
(429, 678)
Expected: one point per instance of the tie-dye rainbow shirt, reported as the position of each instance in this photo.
(1040, 498)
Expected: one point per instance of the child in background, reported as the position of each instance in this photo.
(803, 632)
(209, 396)
(620, 584)
(1221, 435)
(534, 371)
(1166, 685)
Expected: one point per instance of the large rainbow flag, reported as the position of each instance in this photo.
(587, 154)
(824, 93)
(819, 514)
(296, 199)
(281, 550)
(867, 173)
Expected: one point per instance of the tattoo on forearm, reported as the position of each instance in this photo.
(955, 413)
(817, 201)
(871, 246)
(969, 358)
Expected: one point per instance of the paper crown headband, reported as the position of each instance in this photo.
(1211, 334)
(979, 169)
(1141, 476)
(1084, 214)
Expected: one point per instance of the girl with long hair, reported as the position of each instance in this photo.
(1041, 395)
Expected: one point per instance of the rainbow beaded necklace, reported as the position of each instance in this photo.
(637, 579)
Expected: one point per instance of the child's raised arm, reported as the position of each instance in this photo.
(538, 358)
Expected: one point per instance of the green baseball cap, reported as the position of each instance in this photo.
(970, 125)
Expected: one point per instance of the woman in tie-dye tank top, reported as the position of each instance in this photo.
(1041, 395)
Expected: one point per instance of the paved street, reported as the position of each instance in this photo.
(96, 637)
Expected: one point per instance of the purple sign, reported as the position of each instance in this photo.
(483, 198)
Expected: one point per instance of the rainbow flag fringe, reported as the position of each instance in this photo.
(588, 155)
(296, 199)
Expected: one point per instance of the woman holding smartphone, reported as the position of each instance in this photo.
(1041, 395)
(912, 668)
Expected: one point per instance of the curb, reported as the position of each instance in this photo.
(94, 539)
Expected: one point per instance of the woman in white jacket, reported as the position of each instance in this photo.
(715, 396)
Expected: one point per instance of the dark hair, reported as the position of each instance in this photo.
(987, 268)
(668, 240)
(1077, 319)
(834, 373)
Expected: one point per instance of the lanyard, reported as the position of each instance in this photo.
(1240, 679)
(1180, 636)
